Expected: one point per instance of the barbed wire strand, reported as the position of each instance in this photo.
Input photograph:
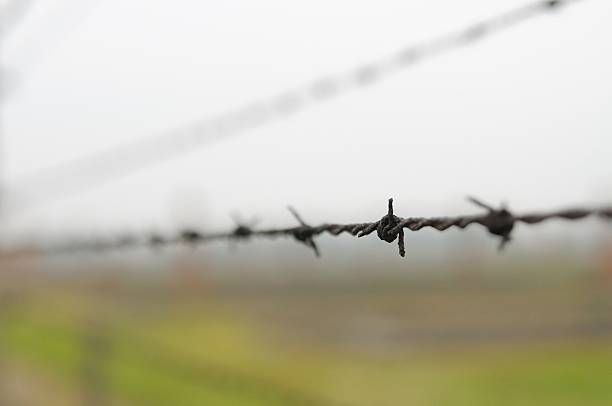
(11, 14)
(101, 167)
(499, 222)
(36, 45)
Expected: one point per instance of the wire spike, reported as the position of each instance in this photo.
(480, 203)
(296, 215)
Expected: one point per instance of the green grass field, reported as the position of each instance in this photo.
(214, 352)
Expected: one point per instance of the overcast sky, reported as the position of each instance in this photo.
(523, 116)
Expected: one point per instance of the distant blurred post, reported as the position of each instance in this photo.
(7, 302)
(3, 380)
(96, 350)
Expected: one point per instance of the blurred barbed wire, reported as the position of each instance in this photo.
(119, 161)
(60, 17)
(11, 14)
(499, 222)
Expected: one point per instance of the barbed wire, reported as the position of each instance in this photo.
(119, 161)
(11, 14)
(39, 42)
(499, 222)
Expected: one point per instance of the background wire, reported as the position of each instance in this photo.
(93, 170)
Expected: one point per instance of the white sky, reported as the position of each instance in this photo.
(523, 116)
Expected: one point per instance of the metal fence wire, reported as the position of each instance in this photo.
(499, 222)
(90, 171)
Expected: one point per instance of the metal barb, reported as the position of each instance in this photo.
(499, 222)
(191, 236)
(242, 232)
(243, 229)
(304, 233)
(156, 240)
(479, 203)
(386, 229)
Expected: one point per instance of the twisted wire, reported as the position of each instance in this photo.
(499, 222)
(87, 172)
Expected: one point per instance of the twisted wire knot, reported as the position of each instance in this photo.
(242, 231)
(156, 241)
(244, 228)
(385, 229)
(498, 222)
(191, 236)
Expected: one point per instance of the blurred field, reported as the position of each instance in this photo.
(195, 338)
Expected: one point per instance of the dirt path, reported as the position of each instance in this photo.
(21, 385)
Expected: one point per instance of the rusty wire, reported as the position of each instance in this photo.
(92, 170)
(499, 222)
